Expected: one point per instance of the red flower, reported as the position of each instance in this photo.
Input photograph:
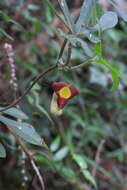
(62, 93)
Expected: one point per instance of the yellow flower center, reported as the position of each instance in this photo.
(65, 92)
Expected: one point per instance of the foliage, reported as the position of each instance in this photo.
(88, 51)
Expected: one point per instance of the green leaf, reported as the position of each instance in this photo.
(75, 41)
(20, 27)
(5, 34)
(107, 21)
(83, 166)
(112, 69)
(48, 14)
(24, 130)
(61, 154)
(66, 13)
(114, 72)
(120, 10)
(15, 113)
(29, 16)
(43, 110)
(115, 81)
(5, 15)
(88, 34)
(36, 87)
(77, 118)
(122, 13)
(68, 173)
(55, 12)
(80, 161)
(93, 38)
(2, 151)
(89, 177)
(34, 100)
(55, 144)
(98, 49)
(85, 14)
(33, 7)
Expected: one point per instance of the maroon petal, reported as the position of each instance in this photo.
(58, 85)
(74, 91)
(61, 102)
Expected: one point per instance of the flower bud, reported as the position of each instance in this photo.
(54, 108)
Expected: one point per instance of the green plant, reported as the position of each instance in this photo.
(84, 38)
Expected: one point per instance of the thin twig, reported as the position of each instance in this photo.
(83, 64)
(30, 87)
(69, 54)
(38, 173)
(97, 160)
(9, 50)
(32, 161)
(66, 68)
(62, 50)
(37, 79)
(97, 157)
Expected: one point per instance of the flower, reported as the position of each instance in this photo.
(62, 93)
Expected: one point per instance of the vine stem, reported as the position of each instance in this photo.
(62, 50)
(97, 159)
(32, 161)
(30, 87)
(66, 68)
(37, 78)
(83, 64)
(69, 54)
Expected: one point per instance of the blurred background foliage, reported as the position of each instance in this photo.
(97, 117)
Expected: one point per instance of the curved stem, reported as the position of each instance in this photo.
(85, 63)
(37, 79)
(30, 87)
(62, 50)
(32, 161)
(69, 54)
(82, 64)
